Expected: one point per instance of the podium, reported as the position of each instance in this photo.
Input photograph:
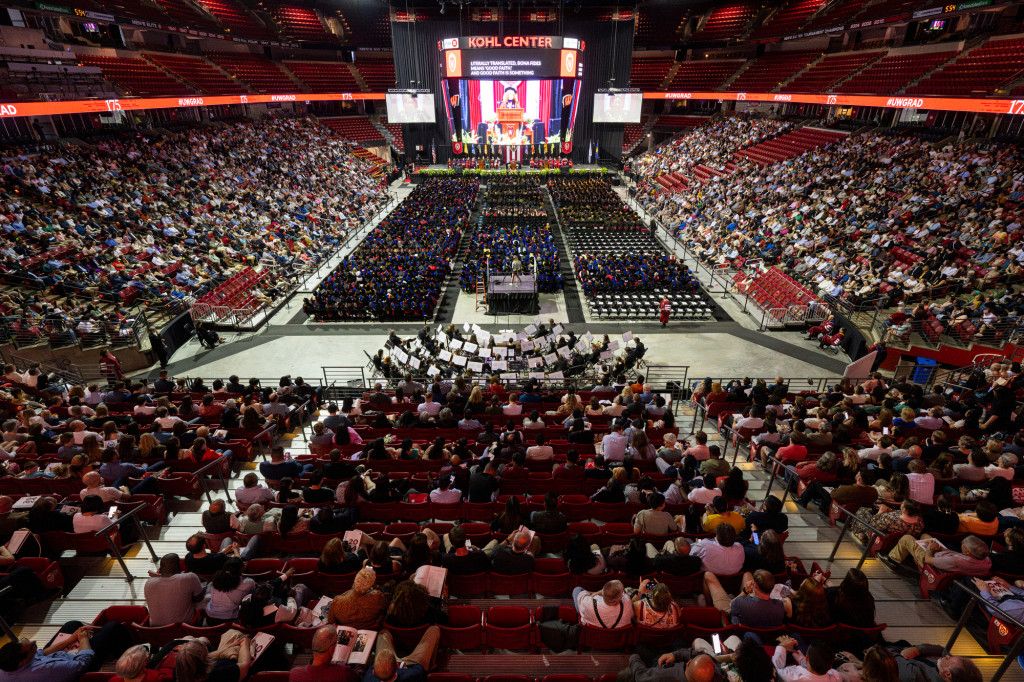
(510, 120)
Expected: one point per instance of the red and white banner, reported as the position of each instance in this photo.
(513, 154)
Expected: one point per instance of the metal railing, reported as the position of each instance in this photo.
(975, 598)
(778, 465)
(851, 518)
(115, 550)
(200, 473)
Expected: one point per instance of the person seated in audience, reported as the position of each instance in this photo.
(549, 521)
(286, 492)
(807, 606)
(609, 608)
(131, 667)
(483, 485)
(278, 467)
(718, 512)
(22, 659)
(445, 493)
(973, 558)
(412, 606)
(387, 667)
(461, 557)
(861, 493)
(772, 517)
(654, 607)
(362, 606)
(323, 668)
(753, 607)
(196, 663)
(851, 602)
(44, 517)
(252, 492)
(974, 471)
(906, 520)
(514, 555)
(92, 516)
(815, 665)
(94, 486)
(983, 521)
(767, 554)
(171, 595)
(315, 492)
(721, 555)
(570, 470)
(655, 520)
(714, 466)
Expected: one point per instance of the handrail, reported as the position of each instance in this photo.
(199, 473)
(852, 517)
(1018, 644)
(105, 533)
(257, 439)
(4, 626)
(779, 464)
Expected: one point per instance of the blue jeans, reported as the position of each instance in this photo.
(576, 597)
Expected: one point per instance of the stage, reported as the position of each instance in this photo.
(505, 297)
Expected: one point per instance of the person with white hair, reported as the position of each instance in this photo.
(131, 667)
(362, 607)
(609, 608)
(387, 667)
(323, 668)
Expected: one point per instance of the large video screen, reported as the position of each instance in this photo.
(511, 112)
(404, 107)
(619, 107)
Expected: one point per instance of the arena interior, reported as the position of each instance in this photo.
(508, 341)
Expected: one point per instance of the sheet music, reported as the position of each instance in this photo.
(476, 366)
(531, 330)
(590, 337)
(499, 364)
(469, 347)
(500, 351)
(508, 375)
(456, 344)
(534, 362)
(581, 346)
(414, 363)
(564, 351)
(536, 375)
(460, 360)
(432, 371)
(557, 329)
(555, 375)
(550, 358)
(607, 355)
(527, 345)
(484, 352)
(627, 337)
(613, 345)
(444, 355)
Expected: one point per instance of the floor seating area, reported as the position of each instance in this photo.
(789, 145)
(324, 76)
(136, 76)
(830, 70)
(206, 78)
(892, 73)
(977, 72)
(726, 20)
(355, 128)
(301, 23)
(644, 305)
(647, 73)
(705, 75)
(769, 70)
(790, 17)
(259, 73)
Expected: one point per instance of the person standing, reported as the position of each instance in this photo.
(666, 310)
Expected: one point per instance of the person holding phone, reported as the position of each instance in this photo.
(654, 607)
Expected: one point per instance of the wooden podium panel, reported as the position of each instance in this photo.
(510, 120)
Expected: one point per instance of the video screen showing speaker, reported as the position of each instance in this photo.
(511, 90)
(618, 107)
(405, 107)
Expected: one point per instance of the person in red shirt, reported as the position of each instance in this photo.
(323, 669)
(796, 451)
(665, 309)
(570, 470)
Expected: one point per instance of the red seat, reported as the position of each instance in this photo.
(604, 639)
(508, 584)
(508, 627)
(464, 586)
(157, 636)
(464, 629)
(122, 613)
(263, 569)
(551, 578)
(403, 531)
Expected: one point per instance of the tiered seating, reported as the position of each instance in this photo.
(324, 76)
(726, 21)
(648, 73)
(676, 122)
(632, 133)
(659, 25)
(257, 72)
(789, 145)
(126, 8)
(232, 296)
(355, 128)
(789, 18)
(184, 13)
(891, 74)
(980, 71)
(887, 8)
(396, 132)
(136, 76)
(830, 70)
(765, 74)
(206, 79)
(773, 288)
(379, 74)
(703, 76)
(236, 18)
(302, 23)
(838, 15)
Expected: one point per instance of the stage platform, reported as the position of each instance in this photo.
(503, 284)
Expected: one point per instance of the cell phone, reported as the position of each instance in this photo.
(716, 642)
(885, 430)
(112, 510)
(468, 544)
(756, 538)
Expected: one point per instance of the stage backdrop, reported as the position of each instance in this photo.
(417, 58)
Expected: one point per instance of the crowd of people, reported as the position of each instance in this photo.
(398, 270)
(162, 220)
(627, 424)
(513, 227)
(590, 203)
(875, 217)
(633, 272)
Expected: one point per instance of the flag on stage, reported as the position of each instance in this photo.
(597, 150)
(590, 152)
(433, 151)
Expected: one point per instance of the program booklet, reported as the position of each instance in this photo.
(432, 578)
(259, 644)
(353, 646)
